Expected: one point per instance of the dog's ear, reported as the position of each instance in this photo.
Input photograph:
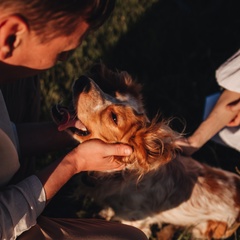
(154, 145)
(115, 81)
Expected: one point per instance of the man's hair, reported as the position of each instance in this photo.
(51, 18)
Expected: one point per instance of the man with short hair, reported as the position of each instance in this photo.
(34, 35)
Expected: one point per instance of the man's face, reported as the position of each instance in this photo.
(31, 56)
(40, 56)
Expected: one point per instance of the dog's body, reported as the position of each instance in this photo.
(158, 185)
(183, 193)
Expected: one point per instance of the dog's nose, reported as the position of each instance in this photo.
(82, 84)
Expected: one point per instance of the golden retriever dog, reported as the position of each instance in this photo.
(158, 185)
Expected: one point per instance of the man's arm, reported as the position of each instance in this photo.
(92, 155)
(21, 204)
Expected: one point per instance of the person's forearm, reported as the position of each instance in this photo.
(40, 138)
(91, 155)
(56, 175)
(219, 117)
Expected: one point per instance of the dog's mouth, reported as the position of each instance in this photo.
(67, 120)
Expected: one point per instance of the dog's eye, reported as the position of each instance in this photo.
(114, 117)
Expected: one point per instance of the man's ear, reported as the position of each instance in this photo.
(12, 29)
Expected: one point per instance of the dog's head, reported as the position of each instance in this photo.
(108, 106)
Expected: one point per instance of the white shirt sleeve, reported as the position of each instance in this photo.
(228, 74)
(20, 205)
(228, 77)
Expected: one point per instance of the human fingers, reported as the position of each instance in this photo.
(235, 122)
(116, 166)
(234, 106)
(118, 149)
(182, 142)
(187, 147)
(95, 155)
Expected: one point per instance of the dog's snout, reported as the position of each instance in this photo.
(82, 84)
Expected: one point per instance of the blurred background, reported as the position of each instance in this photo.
(173, 47)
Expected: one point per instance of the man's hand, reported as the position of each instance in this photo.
(95, 155)
(234, 106)
(92, 155)
(188, 146)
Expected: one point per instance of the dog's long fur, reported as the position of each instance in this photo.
(172, 188)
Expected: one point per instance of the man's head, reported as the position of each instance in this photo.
(34, 33)
(58, 17)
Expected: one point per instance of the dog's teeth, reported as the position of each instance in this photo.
(80, 125)
(83, 129)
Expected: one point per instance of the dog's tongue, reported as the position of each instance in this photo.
(68, 121)
(71, 123)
